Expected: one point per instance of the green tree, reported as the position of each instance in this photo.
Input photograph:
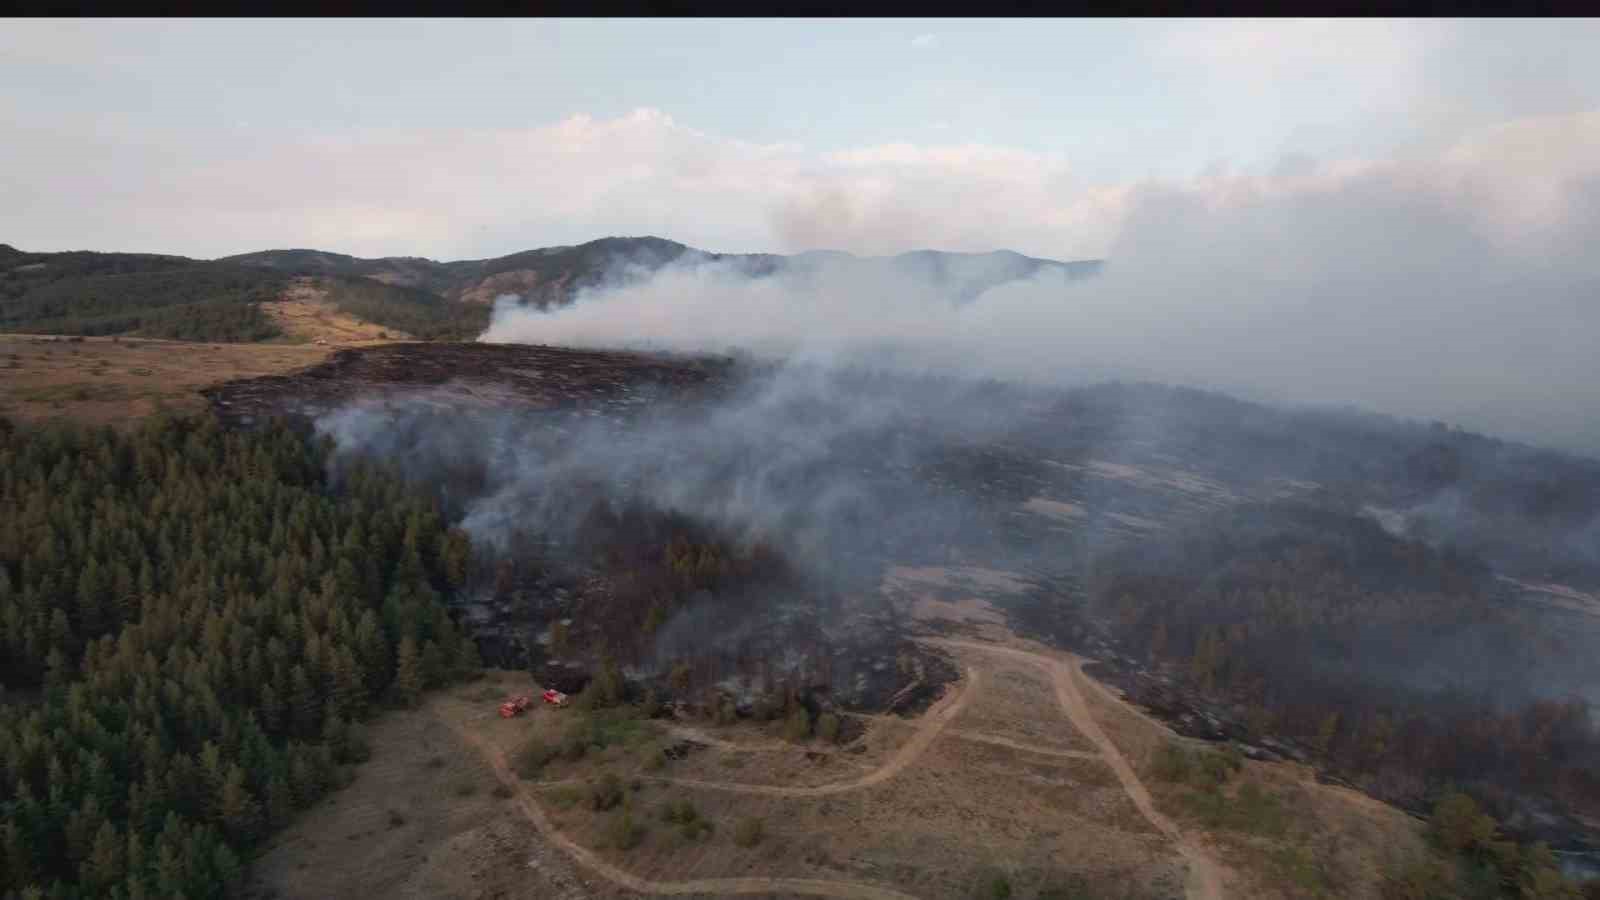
(797, 727)
(104, 866)
(828, 727)
(408, 673)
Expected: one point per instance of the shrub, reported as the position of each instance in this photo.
(465, 789)
(690, 823)
(655, 760)
(620, 726)
(1458, 826)
(605, 792)
(396, 819)
(1196, 768)
(623, 833)
(358, 744)
(748, 832)
(503, 792)
(650, 706)
(1424, 877)
(533, 757)
(828, 727)
(798, 726)
(566, 796)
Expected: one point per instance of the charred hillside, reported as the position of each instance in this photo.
(719, 532)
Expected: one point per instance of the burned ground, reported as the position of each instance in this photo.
(632, 544)
(465, 376)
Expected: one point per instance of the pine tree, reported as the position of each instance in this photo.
(304, 708)
(349, 686)
(408, 673)
(238, 809)
(280, 803)
(104, 865)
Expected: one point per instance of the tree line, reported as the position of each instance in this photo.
(196, 301)
(419, 313)
(193, 624)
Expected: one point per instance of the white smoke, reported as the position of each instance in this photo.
(1461, 287)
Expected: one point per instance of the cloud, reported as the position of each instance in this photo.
(1459, 286)
(925, 41)
(487, 191)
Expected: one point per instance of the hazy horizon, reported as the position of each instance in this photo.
(1394, 213)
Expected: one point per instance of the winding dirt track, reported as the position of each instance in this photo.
(590, 860)
(1040, 749)
(928, 728)
(1205, 879)
(699, 736)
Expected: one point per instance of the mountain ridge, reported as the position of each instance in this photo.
(548, 276)
(552, 276)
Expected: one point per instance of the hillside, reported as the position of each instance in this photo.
(552, 276)
(1309, 588)
(162, 296)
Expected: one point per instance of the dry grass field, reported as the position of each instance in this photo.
(1026, 772)
(117, 381)
(304, 314)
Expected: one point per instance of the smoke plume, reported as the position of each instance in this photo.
(1457, 287)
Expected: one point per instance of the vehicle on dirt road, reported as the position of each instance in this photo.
(515, 706)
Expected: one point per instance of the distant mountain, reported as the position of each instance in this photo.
(82, 292)
(552, 276)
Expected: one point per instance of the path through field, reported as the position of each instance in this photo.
(1205, 878)
(589, 859)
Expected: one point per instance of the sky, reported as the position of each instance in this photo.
(1399, 214)
(474, 138)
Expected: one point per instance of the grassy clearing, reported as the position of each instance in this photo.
(117, 381)
(1211, 799)
(619, 734)
(1214, 796)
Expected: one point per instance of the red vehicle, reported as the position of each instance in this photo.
(515, 706)
(555, 697)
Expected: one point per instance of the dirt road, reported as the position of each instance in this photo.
(710, 740)
(1040, 749)
(928, 728)
(592, 861)
(1205, 879)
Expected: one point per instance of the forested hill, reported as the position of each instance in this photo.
(192, 624)
(134, 293)
(153, 295)
(552, 276)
